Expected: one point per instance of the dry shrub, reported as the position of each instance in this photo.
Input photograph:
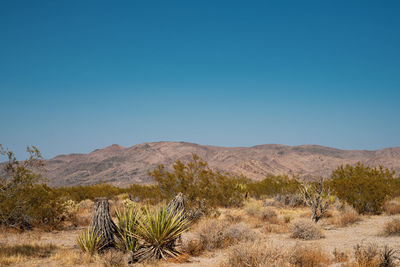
(192, 244)
(392, 227)
(84, 213)
(392, 207)
(253, 254)
(346, 217)
(269, 215)
(367, 255)
(232, 217)
(306, 230)
(308, 256)
(340, 256)
(214, 234)
(113, 258)
(253, 208)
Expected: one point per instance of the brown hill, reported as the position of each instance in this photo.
(122, 166)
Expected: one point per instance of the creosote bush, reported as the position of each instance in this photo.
(363, 187)
(204, 188)
(25, 201)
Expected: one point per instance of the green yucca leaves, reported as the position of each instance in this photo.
(90, 241)
(157, 231)
(128, 220)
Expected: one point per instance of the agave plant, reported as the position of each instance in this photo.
(128, 220)
(90, 241)
(157, 231)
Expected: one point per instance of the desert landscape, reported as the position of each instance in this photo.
(205, 133)
(192, 214)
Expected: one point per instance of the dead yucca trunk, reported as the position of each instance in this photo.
(177, 205)
(102, 222)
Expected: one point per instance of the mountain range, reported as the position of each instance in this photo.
(122, 166)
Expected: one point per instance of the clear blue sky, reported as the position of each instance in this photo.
(81, 75)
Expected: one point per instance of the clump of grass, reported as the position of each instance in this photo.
(308, 256)
(233, 218)
(90, 241)
(254, 254)
(269, 215)
(213, 234)
(340, 256)
(253, 208)
(367, 255)
(392, 207)
(347, 217)
(392, 227)
(276, 228)
(127, 220)
(157, 231)
(306, 230)
(287, 218)
(113, 258)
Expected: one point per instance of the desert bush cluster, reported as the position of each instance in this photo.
(25, 200)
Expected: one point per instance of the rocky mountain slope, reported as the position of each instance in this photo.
(122, 166)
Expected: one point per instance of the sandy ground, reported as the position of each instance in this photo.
(344, 239)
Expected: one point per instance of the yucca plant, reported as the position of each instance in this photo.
(127, 220)
(89, 241)
(157, 232)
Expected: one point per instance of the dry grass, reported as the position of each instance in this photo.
(276, 228)
(269, 215)
(308, 256)
(255, 254)
(253, 208)
(366, 255)
(270, 254)
(213, 234)
(27, 250)
(14, 254)
(346, 217)
(84, 213)
(392, 207)
(392, 227)
(340, 256)
(306, 230)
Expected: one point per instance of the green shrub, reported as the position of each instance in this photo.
(363, 187)
(203, 188)
(273, 185)
(24, 200)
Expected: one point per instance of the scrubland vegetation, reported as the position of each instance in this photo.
(228, 220)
